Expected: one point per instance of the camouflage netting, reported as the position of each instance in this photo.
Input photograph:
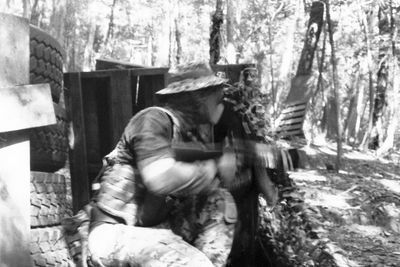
(287, 234)
(250, 103)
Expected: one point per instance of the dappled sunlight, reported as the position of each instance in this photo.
(327, 199)
(391, 185)
(365, 230)
(307, 176)
(358, 155)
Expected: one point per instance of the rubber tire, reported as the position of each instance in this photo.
(48, 247)
(49, 144)
(46, 61)
(49, 203)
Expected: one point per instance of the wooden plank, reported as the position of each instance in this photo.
(149, 71)
(26, 106)
(14, 52)
(78, 155)
(120, 104)
(298, 132)
(297, 114)
(294, 108)
(290, 127)
(106, 64)
(291, 121)
(134, 72)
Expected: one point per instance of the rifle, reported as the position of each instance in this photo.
(190, 152)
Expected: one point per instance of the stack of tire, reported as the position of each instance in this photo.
(50, 180)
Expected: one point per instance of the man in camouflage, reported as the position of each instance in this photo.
(152, 209)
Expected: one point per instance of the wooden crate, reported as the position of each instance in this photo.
(100, 104)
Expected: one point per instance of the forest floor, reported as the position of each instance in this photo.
(350, 218)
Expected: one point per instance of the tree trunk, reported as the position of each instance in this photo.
(150, 54)
(57, 20)
(395, 73)
(352, 115)
(291, 121)
(320, 83)
(230, 45)
(335, 87)
(170, 37)
(88, 52)
(313, 32)
(35, 13)
(271, 67)
(395, 113)
(382, 75)
(367, 135)
(178, 42)
(215, 33)
(26, 5)
(110, 31)
(329, 118)
(287, 61)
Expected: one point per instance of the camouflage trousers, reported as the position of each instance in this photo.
(199, 232)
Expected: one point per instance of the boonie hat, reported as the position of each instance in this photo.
(191, 77)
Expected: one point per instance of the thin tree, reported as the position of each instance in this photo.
(395, 77)
(35, 13)
(26, 5)
(366, 31)
(215, 33)
(320, 82)
(335, 86)
(110, 30)
(230, 23)
(382, 75)
(178, 41)
(57, 20)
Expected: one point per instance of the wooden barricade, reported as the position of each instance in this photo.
(101, 104)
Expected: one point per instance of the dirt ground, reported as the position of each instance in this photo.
(325, 218)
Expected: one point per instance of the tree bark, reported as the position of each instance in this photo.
(393, 127)
(320, 82)
(57, 20)
(287, 61)
(26, 5)
(395, 113)
(313, 32)
(352, 115)
(88, 52)
(110, 31)
(215, 33)
(335, 87)
(230, 22)
(178, 42)
(382, 75)
(35, 13)
(290, 123)
(365, 25)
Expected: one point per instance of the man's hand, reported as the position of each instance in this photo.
(227, 167)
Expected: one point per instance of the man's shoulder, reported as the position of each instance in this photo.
(152, 112)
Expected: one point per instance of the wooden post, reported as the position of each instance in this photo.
(78, 153)
(121, 103)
